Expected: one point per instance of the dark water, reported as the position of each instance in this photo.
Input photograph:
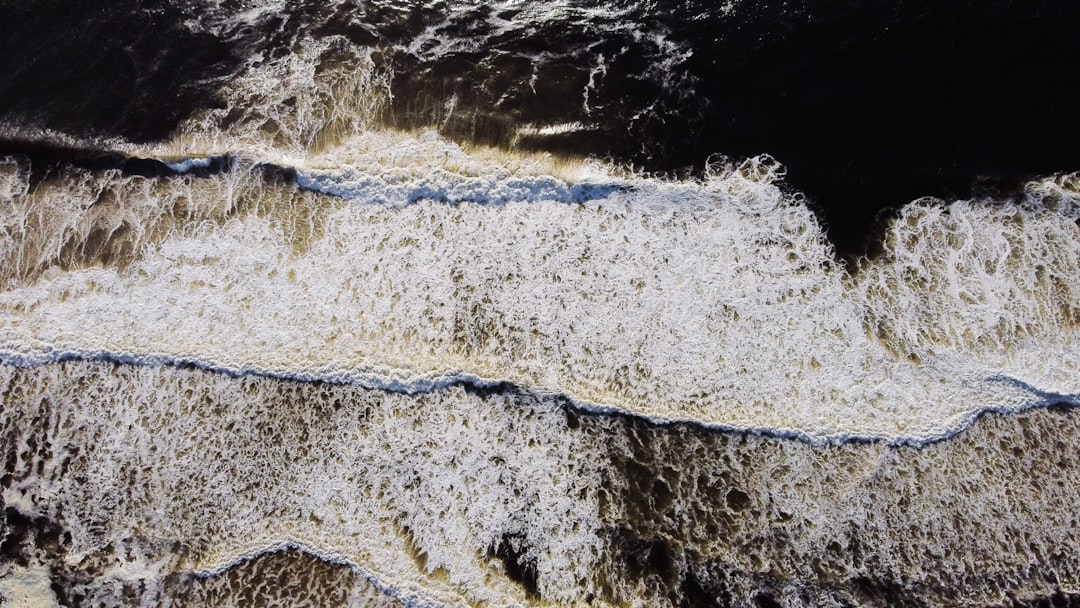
(188, 411)
(868, 105)
(126, 68)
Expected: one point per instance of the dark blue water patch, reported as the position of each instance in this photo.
(585, 192)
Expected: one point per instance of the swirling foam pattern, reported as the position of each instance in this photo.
(310, 359)
(716, 302)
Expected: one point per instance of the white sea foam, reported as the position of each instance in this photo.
(14, 182)
(147, 473)
(405, 261)
(188, 164)
(281, 110)
(22, 587)
(413, 492)
(717, 302)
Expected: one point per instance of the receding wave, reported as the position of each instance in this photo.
(128, 484)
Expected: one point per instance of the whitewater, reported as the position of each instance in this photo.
(300, 340)
(718, 301)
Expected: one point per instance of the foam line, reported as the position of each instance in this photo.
(427, 384)
(347, 183)
(446, 188)
(407, 600)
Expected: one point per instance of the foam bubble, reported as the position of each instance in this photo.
(992, 279)
(14, 179)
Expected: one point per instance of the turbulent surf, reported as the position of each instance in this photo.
(514, 303)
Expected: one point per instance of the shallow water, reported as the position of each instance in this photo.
(394, 305)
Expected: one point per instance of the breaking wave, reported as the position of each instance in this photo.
(431, 307)
(717, 301)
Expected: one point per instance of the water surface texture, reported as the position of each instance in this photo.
(539, 303)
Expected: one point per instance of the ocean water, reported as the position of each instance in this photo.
(571, 303)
